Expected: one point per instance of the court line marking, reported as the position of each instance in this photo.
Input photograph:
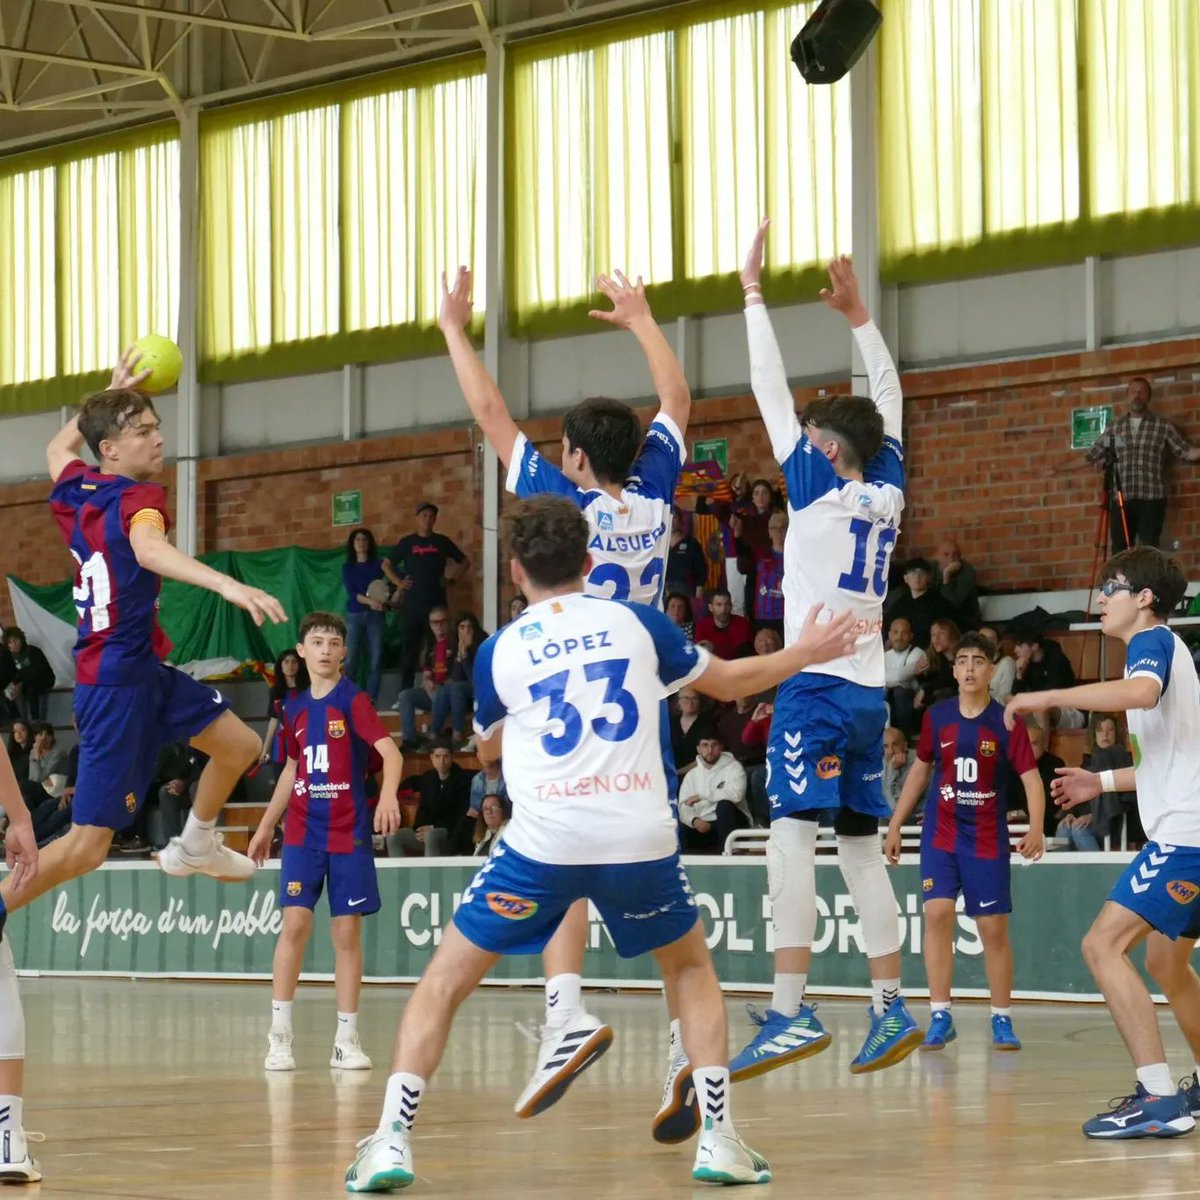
(1146, 1195)
(1073, 1162)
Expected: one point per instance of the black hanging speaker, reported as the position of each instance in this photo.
(834, 38)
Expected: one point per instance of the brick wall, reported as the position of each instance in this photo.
(986, 448)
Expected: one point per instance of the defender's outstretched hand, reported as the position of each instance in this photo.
(823, 642)
(259, 604)
(457, 306)
(629, 303)
(752, 267)
(844, 296)
(1074, 786)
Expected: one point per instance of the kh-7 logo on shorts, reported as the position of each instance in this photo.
(512, 907)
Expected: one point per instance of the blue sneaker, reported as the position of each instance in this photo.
(891, 1039)
(1003, 1037)
(1190, 1086)
(1142, 1115)
(779, 1041)
(941, 1031)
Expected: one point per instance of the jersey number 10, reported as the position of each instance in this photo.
(855, 579)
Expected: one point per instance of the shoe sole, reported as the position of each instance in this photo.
(552, 1091)
(383, 1181)
(781, 1060)
(680, 1119)
(933, 1047)
(711, 1175)
(1005, 1047)
(20, 1175)
(1160, 1129)
(896, 1054)
(280, 1069)
(335, 1065)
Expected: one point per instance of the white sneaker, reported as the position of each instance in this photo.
(279, 1052)
(220, 862)
(16, 1163)
(678, 1116)
(722, 1157)
(566, 1050)
(348, 1054)
(384, 1162)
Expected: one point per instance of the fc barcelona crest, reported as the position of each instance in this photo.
(987, 749)
(337, 729)
(293, 887)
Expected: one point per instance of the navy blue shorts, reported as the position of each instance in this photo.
(1162, 885)
(826, 747)
(122, 730)
(984, 883)
(514, 904)
(353, 884)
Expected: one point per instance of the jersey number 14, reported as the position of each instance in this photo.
(856, 579)
(316, 759)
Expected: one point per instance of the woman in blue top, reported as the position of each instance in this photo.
(364, 605)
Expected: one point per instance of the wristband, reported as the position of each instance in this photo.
(1108, 782)
(751, 287)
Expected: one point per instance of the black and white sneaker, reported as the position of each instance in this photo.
(566, 1050)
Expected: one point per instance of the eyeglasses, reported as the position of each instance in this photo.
(1111, 587)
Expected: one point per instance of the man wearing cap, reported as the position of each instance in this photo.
(425, 562)
(919, 602)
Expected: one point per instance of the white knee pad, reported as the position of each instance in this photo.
(865, 873)
(12, 1016)
(792, 881)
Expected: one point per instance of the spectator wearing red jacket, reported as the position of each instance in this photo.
(729, 635)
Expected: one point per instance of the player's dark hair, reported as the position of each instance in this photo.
(854, 421)
(706, 731)
(720, 591)
(976, 641)
(323, 622)
(372, 546)
(1145, 567)
(608, 432)
(19, 634)
(107, 413)
(441, 743)
(549, 538)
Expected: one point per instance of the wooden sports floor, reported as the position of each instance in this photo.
(156, 1089)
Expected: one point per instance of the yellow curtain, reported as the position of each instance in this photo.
(148, 240)
(1142, 62)
(27, 282)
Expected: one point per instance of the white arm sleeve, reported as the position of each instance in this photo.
(881, 372)
(768, 381)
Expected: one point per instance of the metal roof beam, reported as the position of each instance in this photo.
(129, 9)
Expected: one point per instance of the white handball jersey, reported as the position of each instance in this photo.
(630, 537)
(579, 682)
(841, 533)
(1166, 738)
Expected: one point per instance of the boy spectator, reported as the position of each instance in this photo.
(441, 826)
(918, 601)
(712, 796)
(33, 677)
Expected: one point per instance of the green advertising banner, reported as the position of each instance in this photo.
(131, 919)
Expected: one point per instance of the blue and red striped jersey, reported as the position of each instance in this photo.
(332, 741)
(768, 587)
(116, 599)
(974, 763)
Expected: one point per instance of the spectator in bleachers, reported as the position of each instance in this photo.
(47, 761)
(20, 743)
(768, 576)
(516, 606)
(740, 580)
(756, 516)
(728, 635)
(712, 796)
(494, 814)
(937, 680)
(958, 584)
(290, 677)
(679, 608)
(441, 825)
(1004, 674)
(715, 537)
(424, 563)
(52, 817)
(436, 657)
(768, 640)
(686, 569)
(1042, 665)
(898, 759)
(686, 725)
(8, 672)
(366, 576)
(488, 782)
(918, 601)
(453, 700)
(33, 677)
(732, 724)
(1086, 829)
(901, 662)
(179, 766)
(1139, 440)
(1047, 765)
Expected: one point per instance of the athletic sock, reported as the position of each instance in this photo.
(347, 1026)
(883, 993)
(788, 994)
(281, 1016)
(197, 836)
(937, 1006)
(712, 1094)
(563, 998)
(11, 1112)
(1001, 1012)
(401, 1101)
(1156, 1079)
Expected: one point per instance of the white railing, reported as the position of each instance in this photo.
(754, 841)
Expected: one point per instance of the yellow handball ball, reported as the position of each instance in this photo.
(164, 360)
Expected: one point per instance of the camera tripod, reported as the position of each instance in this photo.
(1110, 492)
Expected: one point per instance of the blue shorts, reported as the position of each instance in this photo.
(826, 747)
(1162, 886)
(984, 883)
(353, 884)
(514, 904)
(122, 730)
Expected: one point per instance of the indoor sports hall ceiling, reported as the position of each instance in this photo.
(70, 65)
